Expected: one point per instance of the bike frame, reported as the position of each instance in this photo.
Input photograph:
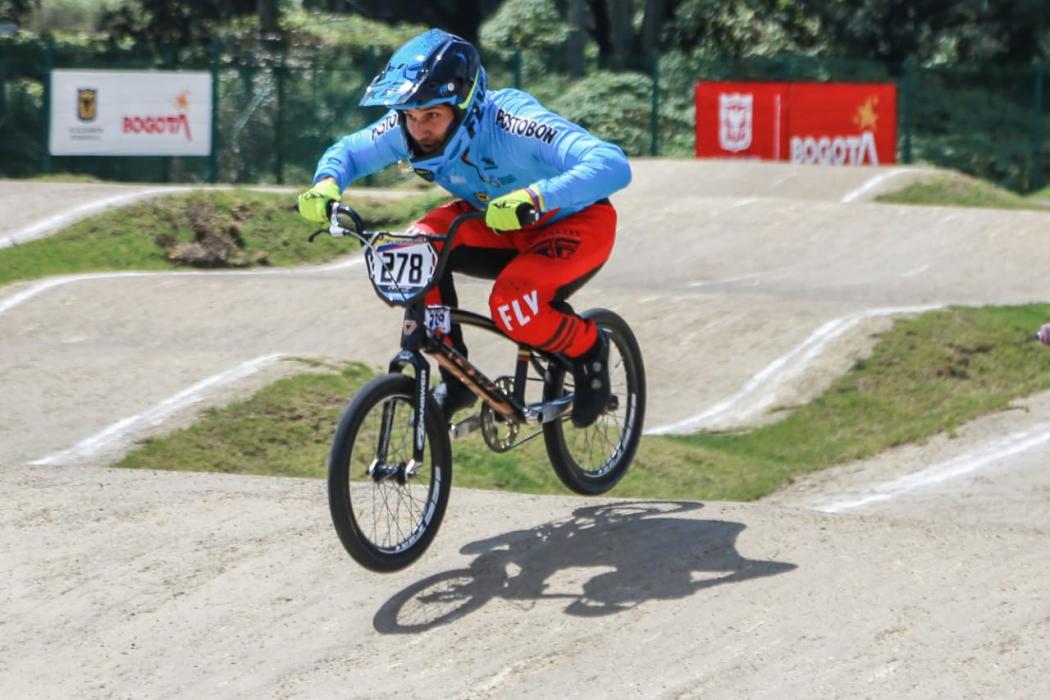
(417, 340)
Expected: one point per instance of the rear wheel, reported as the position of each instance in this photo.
(592, 460)
(385, 508)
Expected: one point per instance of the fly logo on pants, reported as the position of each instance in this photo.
(515, 310)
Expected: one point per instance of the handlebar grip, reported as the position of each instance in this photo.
(527, 214)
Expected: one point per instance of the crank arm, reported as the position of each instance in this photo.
(548, 411)
(465, 427)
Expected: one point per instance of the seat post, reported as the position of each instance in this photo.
(521, 373)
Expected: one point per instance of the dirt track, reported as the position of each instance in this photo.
(159, 584)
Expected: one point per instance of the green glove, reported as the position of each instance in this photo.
(312, 202)
(513, 210)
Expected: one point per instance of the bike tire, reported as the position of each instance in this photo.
(592, 460)
(386, 524)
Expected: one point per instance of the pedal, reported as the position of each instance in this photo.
(465, 427)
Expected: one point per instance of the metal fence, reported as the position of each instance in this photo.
(277, 110)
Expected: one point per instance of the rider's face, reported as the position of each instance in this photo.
(428, 126)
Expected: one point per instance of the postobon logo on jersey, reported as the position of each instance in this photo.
(384, 126)
(529, 128)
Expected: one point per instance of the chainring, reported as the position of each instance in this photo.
(499, 432)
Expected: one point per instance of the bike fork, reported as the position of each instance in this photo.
(413, 337)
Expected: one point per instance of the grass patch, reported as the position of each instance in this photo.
(245, 228)
(285, 429)
(925, 376)
(959, 191)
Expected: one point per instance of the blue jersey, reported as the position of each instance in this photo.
(518, 144)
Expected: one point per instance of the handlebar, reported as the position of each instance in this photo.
(337, 229)
(334, 209)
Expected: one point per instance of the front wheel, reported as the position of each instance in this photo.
(592, 460)
(386, 508)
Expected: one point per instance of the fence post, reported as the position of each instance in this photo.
(909, 98)
(49, 63)
(170, 62)
(654, 119)
(279, 117)
(517, 69)
(1037, 130)
(213, 157)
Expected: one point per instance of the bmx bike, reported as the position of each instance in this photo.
(390, 466)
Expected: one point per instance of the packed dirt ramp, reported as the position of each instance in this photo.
(161, 584)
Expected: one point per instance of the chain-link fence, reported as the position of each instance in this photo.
(277, 110)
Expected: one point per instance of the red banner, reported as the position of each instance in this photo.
(741, 120)
(828, 123)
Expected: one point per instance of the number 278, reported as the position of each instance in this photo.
(395, 264)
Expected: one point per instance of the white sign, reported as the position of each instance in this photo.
(130, 113)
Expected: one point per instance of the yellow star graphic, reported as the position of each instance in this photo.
(866, 117)
(183, 100)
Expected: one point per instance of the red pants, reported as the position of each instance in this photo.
(536, 269)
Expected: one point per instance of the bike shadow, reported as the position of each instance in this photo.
(651, 557)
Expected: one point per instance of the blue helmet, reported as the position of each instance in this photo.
(434, 68)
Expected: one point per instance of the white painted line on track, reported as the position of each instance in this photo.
(50, 224)
(156, 415)
(873, 182)
(761, 390)
(988, 455)
(52, 282)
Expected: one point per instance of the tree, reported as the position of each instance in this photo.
(738, 28)
(17, 11)
(172, 23)
(611, 23)
(934, 30)
(268, 14)
(524, 24)
(461, 18)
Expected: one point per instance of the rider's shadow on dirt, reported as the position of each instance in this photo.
(650, 557)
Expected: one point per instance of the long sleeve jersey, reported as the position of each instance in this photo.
(518, 143)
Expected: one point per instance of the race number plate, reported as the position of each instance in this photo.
(400, 270)
(439, 318)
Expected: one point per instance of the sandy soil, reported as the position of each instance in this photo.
(921, 573)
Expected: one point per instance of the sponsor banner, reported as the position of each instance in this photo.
(740, 120)
(825, 123)
(843, 123)
(130, 113)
